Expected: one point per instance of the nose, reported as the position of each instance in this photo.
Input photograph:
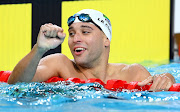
(77, 38)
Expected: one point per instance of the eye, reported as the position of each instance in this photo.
(85, 32)
(71, 33)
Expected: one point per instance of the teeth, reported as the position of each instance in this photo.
(79, 49)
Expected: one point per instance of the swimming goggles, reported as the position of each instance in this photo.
(82, 17)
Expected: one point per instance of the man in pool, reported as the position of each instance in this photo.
(89, 42)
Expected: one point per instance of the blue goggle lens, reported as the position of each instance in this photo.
(81, 17)
(84, 18)
(70, 20)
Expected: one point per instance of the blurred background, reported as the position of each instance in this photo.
(142, 30)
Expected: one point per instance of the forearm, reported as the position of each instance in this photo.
(25, 70)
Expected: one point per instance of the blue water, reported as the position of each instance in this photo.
(68, 96)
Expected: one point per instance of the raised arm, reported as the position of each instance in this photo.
(49, 37)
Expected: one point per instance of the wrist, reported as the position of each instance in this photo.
(39, 50)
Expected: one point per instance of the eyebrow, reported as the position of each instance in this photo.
(82, 26)
(85, 26)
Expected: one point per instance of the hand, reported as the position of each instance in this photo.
(50, 36)
(160, 82)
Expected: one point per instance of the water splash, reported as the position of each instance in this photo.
(39, 97)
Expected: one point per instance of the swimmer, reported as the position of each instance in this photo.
(89, 40)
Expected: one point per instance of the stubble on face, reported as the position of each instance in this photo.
(93, 41)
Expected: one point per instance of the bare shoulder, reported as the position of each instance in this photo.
(120, 67)
(130, 72)
(50, 66)
(54, 58)
(117, 66)
(138, 72)
(136, 67)
(55, 63)
(125, 67)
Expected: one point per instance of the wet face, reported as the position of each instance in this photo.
(87, 43)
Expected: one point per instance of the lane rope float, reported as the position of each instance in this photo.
(113, 85)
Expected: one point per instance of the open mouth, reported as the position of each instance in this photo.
(79, 50)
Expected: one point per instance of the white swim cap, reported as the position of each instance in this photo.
(99, 19)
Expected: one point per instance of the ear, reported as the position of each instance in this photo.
(106, 42)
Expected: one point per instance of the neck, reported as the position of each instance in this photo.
(98, 70)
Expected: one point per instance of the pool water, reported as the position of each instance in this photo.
(89, 97)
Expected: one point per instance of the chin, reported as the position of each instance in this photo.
(82, 63)
(79, 61)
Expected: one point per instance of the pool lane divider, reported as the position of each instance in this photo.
(113, 85)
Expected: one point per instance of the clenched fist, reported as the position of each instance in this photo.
(50, 36)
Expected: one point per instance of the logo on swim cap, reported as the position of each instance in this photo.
(106, 23)
(107, 19)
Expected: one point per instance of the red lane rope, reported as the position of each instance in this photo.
(113, 85)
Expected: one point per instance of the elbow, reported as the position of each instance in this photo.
(11, 80)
